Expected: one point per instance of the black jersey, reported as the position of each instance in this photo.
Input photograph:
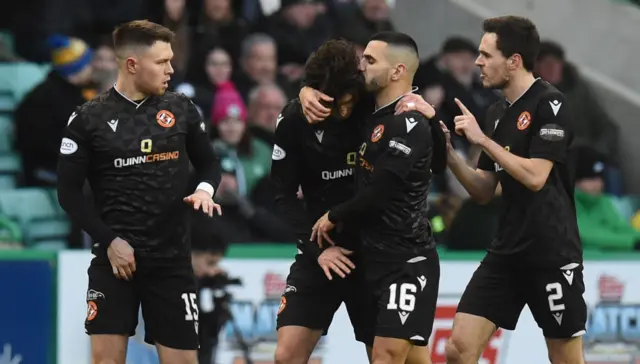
(135, 156)
(319, 159)
(540, 226)
(399, 146)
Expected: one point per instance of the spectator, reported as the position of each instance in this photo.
(105, 65)
(44, 112)
(248, 157)
(259, 66)
(265, 104)
(218, 23)
(299, 29)
(176, 18)
(245, 163)
(455, 72)
(592, 126)
(359, 23)
(212, 68)
(601, 225)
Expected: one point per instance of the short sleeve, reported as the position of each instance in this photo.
(550, 129)
(409, 140)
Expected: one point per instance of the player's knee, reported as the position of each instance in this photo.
(289, 355)
(387, 356)
(562, 358)
(457, 350)
(102, 360)
(451, 352)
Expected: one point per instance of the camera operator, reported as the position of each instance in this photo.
(207, 251)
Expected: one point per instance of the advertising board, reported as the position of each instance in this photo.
(612, 294)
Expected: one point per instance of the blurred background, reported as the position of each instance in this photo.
(240, 61)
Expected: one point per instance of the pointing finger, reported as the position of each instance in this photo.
(463, 108)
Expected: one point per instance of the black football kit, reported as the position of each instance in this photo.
(401, 265)
(536, 257)
(319, 159)
(136, 157)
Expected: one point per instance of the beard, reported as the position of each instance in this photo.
(374, 85)
(498, 85)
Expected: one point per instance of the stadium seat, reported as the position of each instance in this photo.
(35, 212)
(627, 205)
(7, 103)
(10, 163)
(51, 245)
(18, 78)
(53, 194)
(7, 182)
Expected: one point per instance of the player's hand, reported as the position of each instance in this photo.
(467, 125)
(312, 109)
(335, 259)
(412, 102)
(321, 230)
(122, 260)
(447, 136)
(202, 199)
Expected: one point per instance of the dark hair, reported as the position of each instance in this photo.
(516, 35)
(550, 49)
(458, 44)
(334, 69)
(140, 33)
(396, 39)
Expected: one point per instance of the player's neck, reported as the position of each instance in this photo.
(518, 85)
(128, 89)
(392, 92)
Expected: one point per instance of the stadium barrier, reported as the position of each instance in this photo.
(30, 291)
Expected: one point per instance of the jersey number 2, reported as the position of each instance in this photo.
(190, 306)
(555, 295)
(404, 298)
(145, 145)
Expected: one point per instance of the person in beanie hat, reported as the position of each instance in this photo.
(601, 225)
(43, 113)
(243, 157)
(69, 56)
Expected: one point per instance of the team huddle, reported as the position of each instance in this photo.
(370, 228)
(362, 147)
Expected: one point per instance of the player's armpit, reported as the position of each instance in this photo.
(368, 200)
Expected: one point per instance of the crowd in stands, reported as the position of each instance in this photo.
(240, 61)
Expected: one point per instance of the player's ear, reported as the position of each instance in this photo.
(131, 64)
(514, 61)
(398, 71)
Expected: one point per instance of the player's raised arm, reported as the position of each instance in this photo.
(285, 175)
(410, 142)
(531, 172)
(73, 165)
(480, 182)
(204, 161)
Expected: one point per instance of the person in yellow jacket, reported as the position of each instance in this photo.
(601, 225)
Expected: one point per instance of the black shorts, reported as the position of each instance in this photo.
(405, 291)
(168, 299)
(310, 299)
(499, 289)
